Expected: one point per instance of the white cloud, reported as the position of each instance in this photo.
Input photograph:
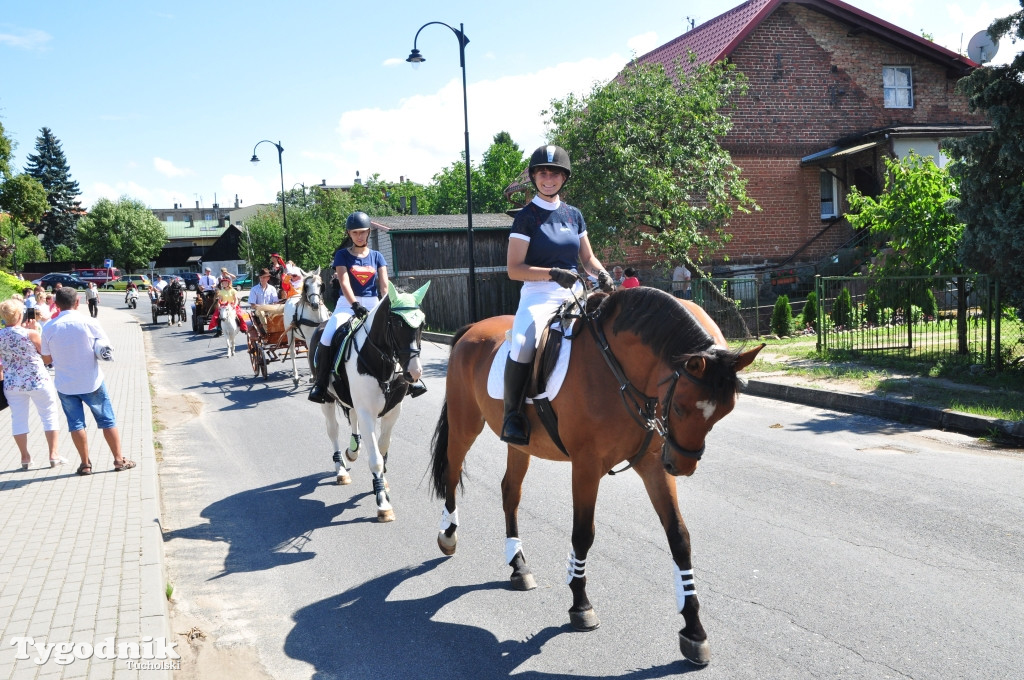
(393, 61)
(425, 133)
(30, 39)
(168, 169)
(643, 43)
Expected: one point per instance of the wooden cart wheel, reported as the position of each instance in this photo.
(255, 352)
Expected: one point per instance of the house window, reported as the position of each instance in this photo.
(170, 218)
(208, 217)
(829, 195)
(898, 87)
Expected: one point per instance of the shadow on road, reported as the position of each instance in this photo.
(270, 526)
(362, 634)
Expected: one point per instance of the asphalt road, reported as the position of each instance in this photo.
(825, 545)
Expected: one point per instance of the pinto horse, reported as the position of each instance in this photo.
(648, 377)
(384, 360)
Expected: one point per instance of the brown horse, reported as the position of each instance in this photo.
(648, 377)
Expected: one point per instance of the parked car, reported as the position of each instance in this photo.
(191, 280)
(243, 281)
(49, 280)
(141, 281)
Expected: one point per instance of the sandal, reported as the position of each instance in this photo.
(54, 462)
(125, 465)
(85, 469)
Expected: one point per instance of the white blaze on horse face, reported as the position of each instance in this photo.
(707, 407)
(415, 369)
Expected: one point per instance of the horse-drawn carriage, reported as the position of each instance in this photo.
(279, 331)
(169, 302)
(203, 306)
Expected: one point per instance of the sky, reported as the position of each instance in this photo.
(165, 101)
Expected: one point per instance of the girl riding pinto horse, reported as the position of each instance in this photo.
(226, 295)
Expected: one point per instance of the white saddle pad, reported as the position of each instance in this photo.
(496, 376)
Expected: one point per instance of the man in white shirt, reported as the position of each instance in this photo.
(208, 281)
(157, 288)
(681, 282)
(263, 293)
(72, 342)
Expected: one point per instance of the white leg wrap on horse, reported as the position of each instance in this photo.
(684, 585)
(574, 568)
(512, 546)
(449, 518)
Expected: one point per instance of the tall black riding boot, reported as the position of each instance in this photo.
(318, 393)
(515, 428)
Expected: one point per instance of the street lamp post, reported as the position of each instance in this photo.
(416, 58)
(280, 163)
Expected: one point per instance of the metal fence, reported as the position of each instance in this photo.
(930, 318)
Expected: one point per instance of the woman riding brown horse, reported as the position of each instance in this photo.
(648, 377)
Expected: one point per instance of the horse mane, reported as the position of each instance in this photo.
(673, 334)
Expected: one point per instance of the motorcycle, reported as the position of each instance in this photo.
(131, 297)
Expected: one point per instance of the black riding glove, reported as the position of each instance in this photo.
(359, 310)
(563, 277)
(604, 281)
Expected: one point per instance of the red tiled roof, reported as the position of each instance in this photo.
(716, 39)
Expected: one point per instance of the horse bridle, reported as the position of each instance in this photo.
(394, 354)
(297, 318)
(643, 408)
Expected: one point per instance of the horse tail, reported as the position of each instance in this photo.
(439, 454)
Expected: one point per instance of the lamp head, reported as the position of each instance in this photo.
(254, 159)
(415, 58)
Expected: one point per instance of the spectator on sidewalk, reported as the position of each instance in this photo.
(26, 379)
(617, 276)
(631, 281)
(72, 343)
(681, 282)
(92, 296)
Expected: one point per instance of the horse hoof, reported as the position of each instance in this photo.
(446, 544)
(385, 515)
(584, 620)
(344, 480)
(694, 651)
(523, 581)
(351, 455)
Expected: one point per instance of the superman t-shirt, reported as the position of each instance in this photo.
(362, 271)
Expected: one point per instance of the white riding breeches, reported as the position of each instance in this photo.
(342, 313)
(538, 301)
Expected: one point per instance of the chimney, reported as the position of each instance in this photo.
(401, 203)
(357, 180)
(236, 202)
(413, 209)
(323, 182)
(401, 179)
(197, 205)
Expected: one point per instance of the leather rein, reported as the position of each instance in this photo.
(390, 357)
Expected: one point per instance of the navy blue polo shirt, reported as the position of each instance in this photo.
(553, 235)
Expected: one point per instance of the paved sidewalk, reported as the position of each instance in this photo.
(82, 557)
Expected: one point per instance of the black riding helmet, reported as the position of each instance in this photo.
(357, 221)
(553, 157)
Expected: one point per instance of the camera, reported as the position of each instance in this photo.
(30, 314)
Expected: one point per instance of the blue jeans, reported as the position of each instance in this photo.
(98, 402)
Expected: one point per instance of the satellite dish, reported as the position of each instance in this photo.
(982, 48)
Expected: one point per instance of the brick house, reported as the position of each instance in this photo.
(833, 90)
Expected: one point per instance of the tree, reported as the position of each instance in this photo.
(914, 215)
(646, 153)
(782, 317)
(989, 167)
(6, 149)
(447, 190)
(50, 167)
(24, 200)
(126, 232)
(503, 163)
